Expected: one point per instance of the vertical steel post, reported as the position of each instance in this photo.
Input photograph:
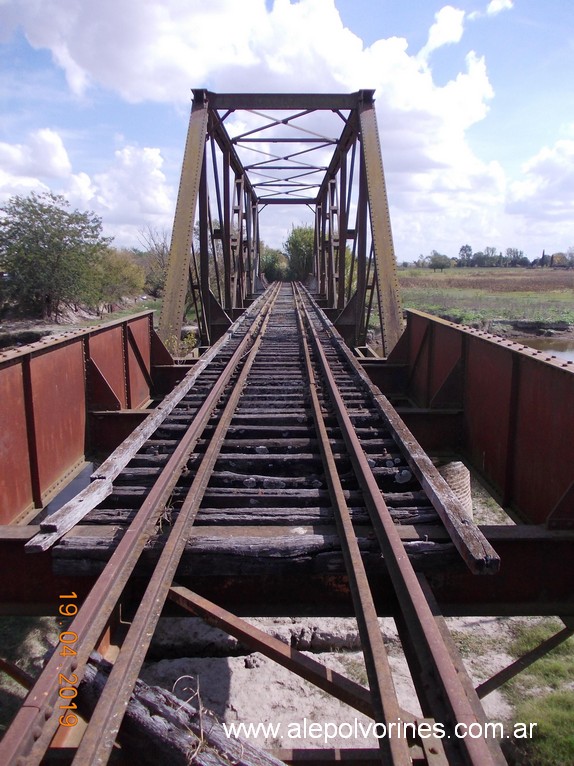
(380, 225)
(362, 221)
(178, 266)
(226, 228)
(332, 222)
(204, 251)
(342, 234)
(320, 260)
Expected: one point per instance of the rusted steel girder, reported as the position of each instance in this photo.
(385, 265)
(516, 404)
(181, 239)
(281, 161)
(49, 392)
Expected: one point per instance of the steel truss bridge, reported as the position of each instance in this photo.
(285, 470)
(271, 157)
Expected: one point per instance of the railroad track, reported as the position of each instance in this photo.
(275, 454)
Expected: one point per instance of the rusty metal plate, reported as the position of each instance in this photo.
(58, 400)
(544, 446)
(15, 475)
(487, 407)
(419, 356)
(106, 349)
(139, 360)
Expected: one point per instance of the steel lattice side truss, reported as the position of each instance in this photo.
(247, 152)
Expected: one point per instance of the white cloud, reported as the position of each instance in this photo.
(130, 191)
(447, 29)
(547, 188)
(134, 188)
(496, 6)
(493, 8)
(43, 155)
(157, 51)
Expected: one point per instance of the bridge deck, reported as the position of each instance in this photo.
(276, 458)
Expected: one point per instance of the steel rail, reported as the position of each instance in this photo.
(427, 640)
(65, 518)
(385, 702)
(37, 720)
(474, 548)
(106, 719)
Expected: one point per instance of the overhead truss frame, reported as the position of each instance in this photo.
(247, 152)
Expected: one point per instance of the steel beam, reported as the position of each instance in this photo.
(508, 397)
(179, 258)
(285, 101)
(386, 270)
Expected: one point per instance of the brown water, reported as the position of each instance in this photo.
(560, 347)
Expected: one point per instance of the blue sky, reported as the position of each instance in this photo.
(475, 103)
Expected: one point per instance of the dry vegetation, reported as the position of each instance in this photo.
(491, 279)
(483, 296)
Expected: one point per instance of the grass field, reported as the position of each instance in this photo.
(479, 296)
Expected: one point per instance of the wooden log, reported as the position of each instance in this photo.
(269, 516)
(234, 551)
(251, 480)
(158, 727)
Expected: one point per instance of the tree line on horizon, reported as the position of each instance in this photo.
(492, 257)
(53, 257)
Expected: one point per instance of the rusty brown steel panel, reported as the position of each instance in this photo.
(15, 475)
(43, 404)
(445, 384)
(518, 411)
(58, 399)
(543, 454)
(139, 361)
(487, 407)
(106, 349)
(419, 358)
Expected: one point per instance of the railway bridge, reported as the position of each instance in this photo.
(286, 469)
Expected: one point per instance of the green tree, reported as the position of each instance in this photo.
(119, 276)
(515, 257)
(465, 255)
(273, 263)
(49, 253)
(299, 248)
(439, 261)
(492, 256)
(154, 259)
(479, 259)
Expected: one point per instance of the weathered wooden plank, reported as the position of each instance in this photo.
(268, 516)
(243, 550)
